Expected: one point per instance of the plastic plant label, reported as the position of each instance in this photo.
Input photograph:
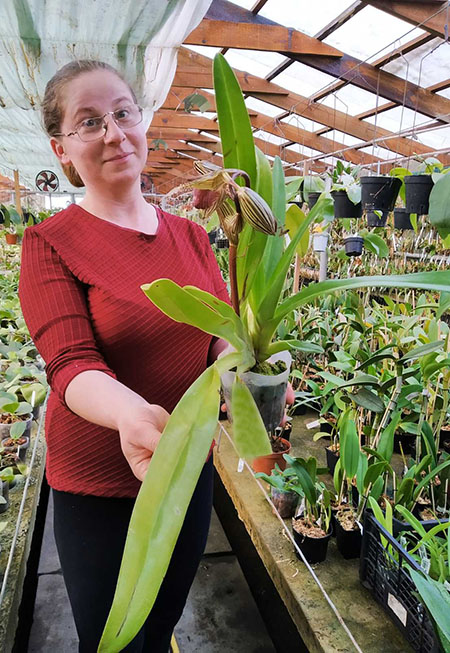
(313, 425)
(240, 466)
(397, 608)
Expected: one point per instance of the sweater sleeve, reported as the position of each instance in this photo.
(54, 307)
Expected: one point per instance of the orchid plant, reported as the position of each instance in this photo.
(254, 217)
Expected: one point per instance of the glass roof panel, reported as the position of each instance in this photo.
(374, 31)
(253, 61)
(445, 93)
(301, 149)
(398, 119)
(437, 139)
(262, 107)
(301, 122)
(270, 138)
(306, 18)
(340, 137)
(380, 152)
(303, 79)
(425, 65)
(352, 100)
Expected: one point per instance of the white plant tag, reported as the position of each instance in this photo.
(313, 425)
(397, 608)
(240, 465)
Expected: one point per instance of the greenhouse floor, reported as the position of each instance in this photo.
(220, 613)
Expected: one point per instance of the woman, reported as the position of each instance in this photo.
(116, 365)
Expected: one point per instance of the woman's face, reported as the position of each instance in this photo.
(119, 156)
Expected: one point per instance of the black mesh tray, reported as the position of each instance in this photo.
(384, 572)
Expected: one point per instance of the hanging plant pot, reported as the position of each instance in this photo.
(284, 502)
(348, 534)
(379, 193)
(312, 199)
(354, 245)
(343, 207)
(375, 220)
(222, 243)
(402, 220)
(11, 239)
(311, 540)
(267, 463)
(212, 235)
(417, 193)
(269, 392)
(320, 242)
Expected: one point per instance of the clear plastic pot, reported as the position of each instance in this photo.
(269, 392)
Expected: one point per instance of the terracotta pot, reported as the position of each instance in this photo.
(267, 463)
(11, 239)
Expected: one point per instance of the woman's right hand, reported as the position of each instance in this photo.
(139, 436)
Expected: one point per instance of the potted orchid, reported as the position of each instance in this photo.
(251, 203)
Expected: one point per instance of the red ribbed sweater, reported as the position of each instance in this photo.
(81, 299)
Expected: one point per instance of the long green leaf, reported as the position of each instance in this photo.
(249, 433)
(437, 281)
(349, 445)
(439, 211)
(386, 444)
(294, 220)
(160, 508)
(238, 148)
(183, 306)
(275, 244)
(437, 601)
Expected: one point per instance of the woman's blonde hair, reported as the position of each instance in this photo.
(53, 102)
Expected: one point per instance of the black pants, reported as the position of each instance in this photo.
(90, 535)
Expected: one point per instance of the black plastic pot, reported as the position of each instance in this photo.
(343, 207)
(348, 542)
(212, 235)
(332, 458)
(353, 245)
(312, 199)
(300, 409)
(379, 193)
(222, 243)
(313, 548)
(402, 220)
(374, 220)
(407, 441)
(417, 193)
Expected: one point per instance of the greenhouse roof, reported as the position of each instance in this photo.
(366, 81)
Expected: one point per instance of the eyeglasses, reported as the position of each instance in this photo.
(92, 129)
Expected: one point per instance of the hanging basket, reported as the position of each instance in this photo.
(343, 207)
(320, 242)
(417, 193)
(354, 245)
(402, 220)
(312, 199)
(379, 193)
(374, 220)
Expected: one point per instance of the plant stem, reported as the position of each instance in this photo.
(233, 279)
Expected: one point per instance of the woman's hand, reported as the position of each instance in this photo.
(139, 436)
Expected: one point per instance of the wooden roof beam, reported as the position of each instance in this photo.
(359, 73)
(300, 105)
(254, 36)
(379, 63)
